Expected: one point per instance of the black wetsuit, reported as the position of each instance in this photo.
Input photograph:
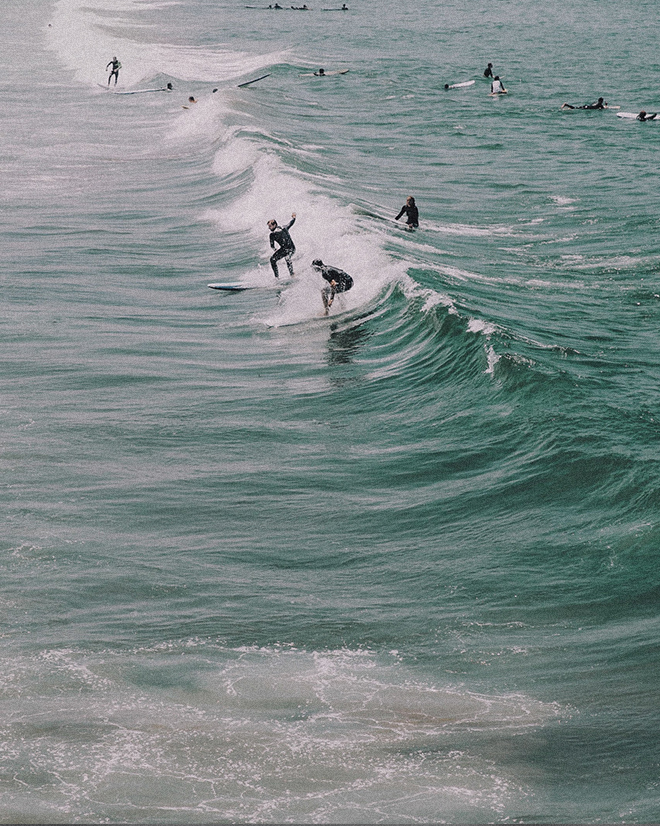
(599, 104)
(287, 247)
(116, 66)
(412, 215)
(647, 117)
(488, 72)
(343, 281)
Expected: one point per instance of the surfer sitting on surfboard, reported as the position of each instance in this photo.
(116, 66)
(280, 235)
(338, 281)
(496, 87)
(599, 104)
(412, 213)
(488, 71)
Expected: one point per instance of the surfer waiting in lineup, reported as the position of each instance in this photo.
(488, 71)
(116, 66)
(599, 104)
(320, 73)
(338, 282)
(496, 87)
(411, 212)
(280, 235)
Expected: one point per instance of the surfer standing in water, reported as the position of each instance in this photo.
(280, 235)
(116, 66)
(338, 282)
(412, 213)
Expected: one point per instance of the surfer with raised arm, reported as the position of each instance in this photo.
(411, 213)
(338, 282)
(280, 236)
(116, 66)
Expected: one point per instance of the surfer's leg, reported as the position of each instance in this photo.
(275, 257)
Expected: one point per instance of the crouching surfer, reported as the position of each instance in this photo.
(338, 282)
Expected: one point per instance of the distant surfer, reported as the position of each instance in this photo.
(599, 104)
(496, 87)
(411, 213)
(116, 66)
(320, 73)
(280, 236)
(338, 282)
(488, 71)
(643, 116)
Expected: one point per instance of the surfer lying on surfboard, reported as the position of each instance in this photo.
(599, 104)
(338, 281)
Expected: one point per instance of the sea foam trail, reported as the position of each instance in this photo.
(85, 38)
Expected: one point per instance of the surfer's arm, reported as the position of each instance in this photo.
(291, 222)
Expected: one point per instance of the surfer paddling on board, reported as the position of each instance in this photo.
(411, 212)
(599, 104)
(338, 282)
(280, 236)
(496, 87)
(116, 66)
(643, 116)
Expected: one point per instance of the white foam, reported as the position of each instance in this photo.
(85, 36)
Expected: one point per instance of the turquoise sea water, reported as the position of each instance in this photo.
(398, 565)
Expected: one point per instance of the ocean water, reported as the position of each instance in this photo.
(396, 565)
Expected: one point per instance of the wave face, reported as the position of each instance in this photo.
(396, 564)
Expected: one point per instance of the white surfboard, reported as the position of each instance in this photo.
(634, 115)
(133, 91)
(460, 85)
(325, 74)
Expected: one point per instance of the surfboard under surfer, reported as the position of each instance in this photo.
(116, 66)
(338, 282)
(411, 212)
(280, 236)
